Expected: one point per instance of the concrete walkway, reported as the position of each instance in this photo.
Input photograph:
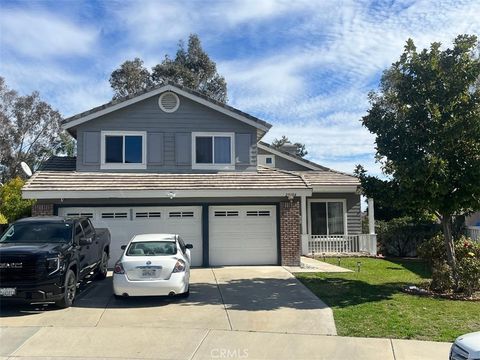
(161, 343)
(312, 265)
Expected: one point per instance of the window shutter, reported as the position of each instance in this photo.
(91, 147)
(155, 148)
(183, 148)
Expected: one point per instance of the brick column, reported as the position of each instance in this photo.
(42, 210)
(290, 239)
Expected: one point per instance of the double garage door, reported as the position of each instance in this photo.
(238, 235)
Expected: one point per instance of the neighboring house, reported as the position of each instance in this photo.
(171, 160)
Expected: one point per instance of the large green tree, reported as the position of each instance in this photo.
(191, 67)
(131, 77)
(426, 118)
(29, 131)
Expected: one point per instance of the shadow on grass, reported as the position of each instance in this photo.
(416, 266)
(342, 292)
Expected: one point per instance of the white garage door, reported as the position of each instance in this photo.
(125, 222)
(243, 235)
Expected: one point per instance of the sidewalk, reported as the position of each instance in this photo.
(166, 343)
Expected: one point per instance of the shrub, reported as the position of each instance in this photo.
(402, 236)
(468, 264)
(442, 279)
(3, 219)
(12, 205)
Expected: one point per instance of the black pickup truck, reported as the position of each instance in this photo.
(42, 259)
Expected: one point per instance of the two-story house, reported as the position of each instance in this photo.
(170, 160)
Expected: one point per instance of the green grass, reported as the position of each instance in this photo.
(371, 304)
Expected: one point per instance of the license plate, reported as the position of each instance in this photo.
(149, 273)
(8, 291)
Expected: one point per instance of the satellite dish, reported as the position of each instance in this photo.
(26, 169)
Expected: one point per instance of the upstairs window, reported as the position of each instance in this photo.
(123, 150)
(212, 151)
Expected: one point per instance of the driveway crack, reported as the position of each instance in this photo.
(223, 300)
(393, 350)
(199, 344)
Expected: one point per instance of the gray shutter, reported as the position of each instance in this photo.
(183, 148)
(91, 147)
(242, 148)
(155, 148)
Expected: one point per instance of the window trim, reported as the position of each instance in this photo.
(213, 166)
(309, 213)
(123, 165)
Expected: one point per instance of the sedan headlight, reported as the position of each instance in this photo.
(179, 266)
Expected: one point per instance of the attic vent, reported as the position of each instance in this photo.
(169, 102)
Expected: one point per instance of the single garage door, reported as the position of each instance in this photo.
(243, 235)
(125, 222)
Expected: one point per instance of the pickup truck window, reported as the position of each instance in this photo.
(38, 232)
(87, 228)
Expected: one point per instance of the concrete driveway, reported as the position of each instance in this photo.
(231, 298)
(232, 312)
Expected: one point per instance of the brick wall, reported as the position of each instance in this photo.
(290, 233)
(42, 210)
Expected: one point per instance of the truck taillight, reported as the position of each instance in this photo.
(118, 269)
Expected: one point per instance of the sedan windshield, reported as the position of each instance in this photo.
(38, 232)
(152, 248)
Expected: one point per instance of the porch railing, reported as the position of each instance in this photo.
(335, 244)
(473, 232)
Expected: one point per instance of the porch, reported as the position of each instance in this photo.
(345, 244)
(325, 228)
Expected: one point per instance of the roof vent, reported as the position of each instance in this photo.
(169, 102)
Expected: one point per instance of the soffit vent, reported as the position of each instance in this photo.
(169, 102)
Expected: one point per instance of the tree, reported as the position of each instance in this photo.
(30, 131)
(278, 143)
(385, 193)
(426, 118)
(131, 77)
(12, 205)
(191, 67)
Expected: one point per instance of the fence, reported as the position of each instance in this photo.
(334, 244)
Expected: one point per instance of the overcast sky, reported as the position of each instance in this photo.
(304, 66)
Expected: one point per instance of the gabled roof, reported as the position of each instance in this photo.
(291, 157)
(170, 86)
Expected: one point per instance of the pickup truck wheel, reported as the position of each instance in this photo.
(70, 290)
(102, 267)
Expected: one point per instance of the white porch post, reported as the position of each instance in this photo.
(303, 205)
(372, 243)
(371, 217)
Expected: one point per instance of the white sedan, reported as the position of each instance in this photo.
(153, 265)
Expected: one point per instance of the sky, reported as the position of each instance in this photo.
(304, 66)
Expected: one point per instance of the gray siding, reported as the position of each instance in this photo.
(282, 163)
(354, 217)
(147, 116)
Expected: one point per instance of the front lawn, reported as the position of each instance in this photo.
(371, 304)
